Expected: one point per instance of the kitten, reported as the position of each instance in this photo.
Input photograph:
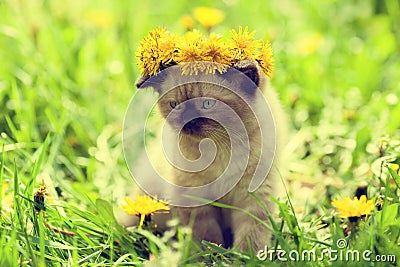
(201, 100)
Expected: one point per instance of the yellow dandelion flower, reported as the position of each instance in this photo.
(218, 53)
(191, 53)
(265, 59)
(156, 49)
(243, 43)
(187, 22)
(394, 166)
(208, 17)
(193, 68)
(143, 206)
(195, 53)
(39, 197)
(354, 207)
(99, 18)
(192, 38)
(310, 43)
(167, 46)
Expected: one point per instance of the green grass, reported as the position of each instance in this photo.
(67, 73)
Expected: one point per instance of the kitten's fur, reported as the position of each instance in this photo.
(211, 223)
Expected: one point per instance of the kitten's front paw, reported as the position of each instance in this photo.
(206, 223)
(246, 228)
(259, 238)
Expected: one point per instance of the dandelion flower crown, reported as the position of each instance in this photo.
(161, 49)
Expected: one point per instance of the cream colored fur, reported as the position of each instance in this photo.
(211, 222)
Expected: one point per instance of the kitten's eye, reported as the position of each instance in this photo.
(209, 103)
(174, 105)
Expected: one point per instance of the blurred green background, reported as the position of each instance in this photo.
(68, 68)
(67, 73)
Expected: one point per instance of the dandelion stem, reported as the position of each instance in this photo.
(142, 216)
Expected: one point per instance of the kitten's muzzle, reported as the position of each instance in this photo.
(194, 126)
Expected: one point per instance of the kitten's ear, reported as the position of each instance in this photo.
(251, 81)
(146, 81)
(141, 80)
(250, 68)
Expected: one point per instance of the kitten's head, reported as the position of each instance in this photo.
(190, 107)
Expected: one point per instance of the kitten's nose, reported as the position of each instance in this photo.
(193, 126)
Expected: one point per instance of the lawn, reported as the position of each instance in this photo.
(68, 71)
